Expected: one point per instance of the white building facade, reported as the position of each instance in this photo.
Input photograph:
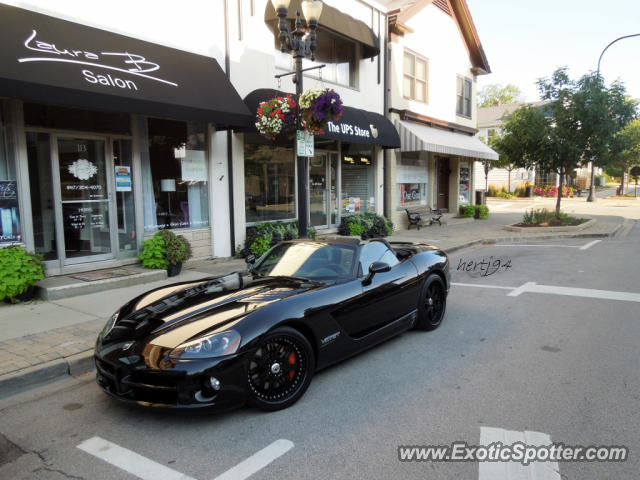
(435, 57)
(116, 125)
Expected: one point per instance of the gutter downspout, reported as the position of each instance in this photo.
(385, 155)
(227, 70)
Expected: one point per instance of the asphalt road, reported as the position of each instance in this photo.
(508, 358)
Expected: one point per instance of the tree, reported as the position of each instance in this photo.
(578, 124)
(495, 95)
(524, 139)
(505, 161)
(627, 151)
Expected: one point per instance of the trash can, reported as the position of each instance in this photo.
(480, 197)
(529, 190)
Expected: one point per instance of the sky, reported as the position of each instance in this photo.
(526, 40)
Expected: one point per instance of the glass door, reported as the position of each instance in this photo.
(84, 200)
(318, 191)
(323, 196)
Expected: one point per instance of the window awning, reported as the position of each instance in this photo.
(45, 59)
(416, 138)
(355, 125)
(331, 20)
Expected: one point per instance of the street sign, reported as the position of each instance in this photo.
(305, 143)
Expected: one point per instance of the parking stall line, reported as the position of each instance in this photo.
(257, 461)
(130, 461)
(589, 245)
(516, 470)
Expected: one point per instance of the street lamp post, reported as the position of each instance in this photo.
(592, 195)
(300, 49)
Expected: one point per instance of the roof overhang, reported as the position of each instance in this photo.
(49, 60)
(417, 138)
(333, 22)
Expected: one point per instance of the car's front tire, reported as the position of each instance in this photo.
(280, 370)
(432, 303)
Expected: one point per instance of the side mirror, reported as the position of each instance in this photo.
(251, 259)
(376, 267)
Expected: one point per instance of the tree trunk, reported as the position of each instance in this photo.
(509, 182)
(560, 191)
(624, 169)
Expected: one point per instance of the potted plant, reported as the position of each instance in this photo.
(165, 250)
(276, 116)
(176, 251)
(19, 273)
(319, 106)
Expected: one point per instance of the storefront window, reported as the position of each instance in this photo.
(464, 183)
(269, 183)
(9, 210)
(41, 189)
(175, 174)
(358, 188)
(412, 179)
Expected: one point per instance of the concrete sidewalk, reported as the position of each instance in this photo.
(44, 340)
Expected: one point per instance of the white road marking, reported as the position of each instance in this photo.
(481, 286)
(590, 244)
(257, 461)
(515, 470)
(525, 245)
(130, 461)
(147, 469)
(533, 287)
(521, 289)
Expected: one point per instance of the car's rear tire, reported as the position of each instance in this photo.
(280, 370)
(432, 303)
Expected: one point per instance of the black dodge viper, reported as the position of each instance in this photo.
(258, 336)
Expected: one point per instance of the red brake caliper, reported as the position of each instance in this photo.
(292, 361)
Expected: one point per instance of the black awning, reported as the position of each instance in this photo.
(331, 21)
(45, 59)
(355, 125)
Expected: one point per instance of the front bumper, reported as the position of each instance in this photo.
(134, 379)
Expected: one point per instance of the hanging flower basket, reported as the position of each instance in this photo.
(319, 106)
(276, 116)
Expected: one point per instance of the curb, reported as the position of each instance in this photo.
(20, 380)
(534, 237)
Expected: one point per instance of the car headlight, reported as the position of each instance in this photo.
(217, 345)
(109, 325)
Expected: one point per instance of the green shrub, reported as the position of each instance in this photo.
(365, 225)
(176, 247)
(492, 191)
(467, 211)
(152, 255)
(263, 236)
(542, 216)
(19, 270)
(163, 248)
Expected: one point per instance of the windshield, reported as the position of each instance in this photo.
(308, 260)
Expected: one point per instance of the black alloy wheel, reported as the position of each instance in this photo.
(432, 303)
(280, 370)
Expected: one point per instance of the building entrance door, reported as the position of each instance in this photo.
(442, 166)
(85, 221)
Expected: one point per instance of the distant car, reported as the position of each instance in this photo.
(257, 337)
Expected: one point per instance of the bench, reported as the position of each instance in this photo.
(419, 216)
